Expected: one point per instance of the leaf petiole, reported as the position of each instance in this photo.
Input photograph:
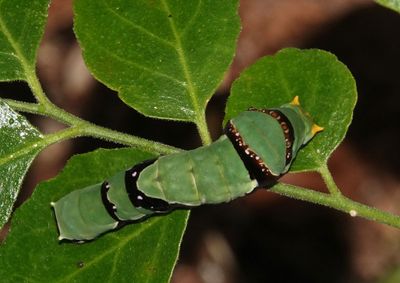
(328, 179)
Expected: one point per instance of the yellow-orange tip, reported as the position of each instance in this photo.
(295, 101)
(315, 129)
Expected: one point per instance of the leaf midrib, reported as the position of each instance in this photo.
(182, 59)
(25, 150)
(41, 142)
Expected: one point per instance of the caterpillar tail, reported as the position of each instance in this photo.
(89, 212)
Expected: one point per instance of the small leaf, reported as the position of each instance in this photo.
(391, 4)
(165, 58)
(141, 252)
(19, 146)
(324, 85)
(21, 27)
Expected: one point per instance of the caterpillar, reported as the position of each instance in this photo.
(257, 148)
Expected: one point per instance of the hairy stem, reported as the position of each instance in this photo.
(89, 129)
(201, 124)
(36, 87)
(126, 139)
(21, 106)
(328, 179)
(336, 200)
(61, 135)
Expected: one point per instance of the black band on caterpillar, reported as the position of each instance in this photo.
(138, 198)
(286, 126)
(110, 207)
(253, 163)
(287, 129)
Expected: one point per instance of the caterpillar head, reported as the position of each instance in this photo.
(304, 127)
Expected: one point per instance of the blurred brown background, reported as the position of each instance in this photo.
(263, 237)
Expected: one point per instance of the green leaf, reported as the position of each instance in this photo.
(165, 58)
(142, 252)
(324, 85)
(19, 146)
(392, 4)
(21, 27)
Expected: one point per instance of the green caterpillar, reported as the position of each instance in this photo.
(257, 148)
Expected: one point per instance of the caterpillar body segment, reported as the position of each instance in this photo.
(81, 215)
(191, 178)
(263, 135)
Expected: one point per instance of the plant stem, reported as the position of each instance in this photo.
(35, 86)
(339, 202)
(127, 139)
(89, 129)
(21, 106)
(61, 135)
(328, 179)
(201, 124)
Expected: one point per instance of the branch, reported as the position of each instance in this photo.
(339, 202)
(89, 129)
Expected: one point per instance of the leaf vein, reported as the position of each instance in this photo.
(194, 16)
(137, 27)
(156, 254)
(110, 250)
(136, 65)
(114, 265)
(9, 54)
(28, 148)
